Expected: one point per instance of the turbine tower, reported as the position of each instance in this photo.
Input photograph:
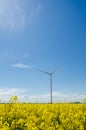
(50, 74)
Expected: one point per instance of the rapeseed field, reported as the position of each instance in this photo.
(19, 116)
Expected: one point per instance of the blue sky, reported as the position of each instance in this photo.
(47, 35)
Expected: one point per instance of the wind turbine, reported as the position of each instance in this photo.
(50, 74)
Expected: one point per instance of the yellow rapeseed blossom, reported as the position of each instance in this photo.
(19, 116)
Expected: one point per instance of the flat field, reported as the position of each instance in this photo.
(42, 116)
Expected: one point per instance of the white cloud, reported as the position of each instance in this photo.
(10, 91)
(57, 97)
(20, 65)
(6, 93)
(16, 14)
(23, 95)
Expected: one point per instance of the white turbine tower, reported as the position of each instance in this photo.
(50, 74)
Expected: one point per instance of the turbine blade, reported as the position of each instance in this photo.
(43, 71)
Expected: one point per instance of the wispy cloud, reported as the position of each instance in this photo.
(38, 8)
(24, 56)
(20, 65)
(12, 14)
(16, 14)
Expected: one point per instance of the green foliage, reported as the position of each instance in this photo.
(13, 99)
(84, 100)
